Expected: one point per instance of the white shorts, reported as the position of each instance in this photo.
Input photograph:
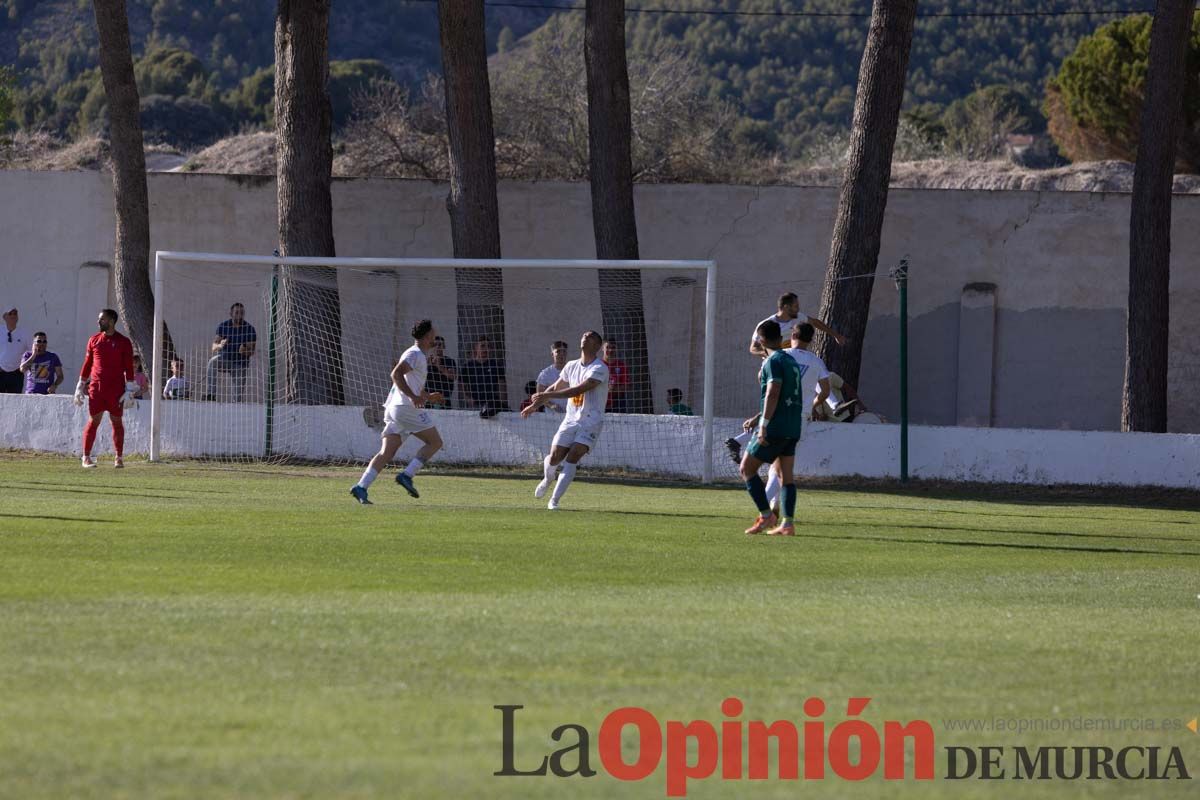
(403, 420)
(577, 432)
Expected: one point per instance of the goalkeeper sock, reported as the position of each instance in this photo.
(564, 480)
(773, 486)
(549, 470)
(89, 436)
(744, 437)
(789, 502)
(368, 477)
(758, 493)
(118, 434)
(413, 466)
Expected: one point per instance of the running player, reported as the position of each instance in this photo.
(404, 413)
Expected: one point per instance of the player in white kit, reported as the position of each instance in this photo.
(404, 414)
(584, 385)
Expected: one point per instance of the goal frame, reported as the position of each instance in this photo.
(709, 267)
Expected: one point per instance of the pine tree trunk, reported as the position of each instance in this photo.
(611, 174)
(846, 304)
(131, 272)
(1144, 399)
(310, 310)
(472, 203)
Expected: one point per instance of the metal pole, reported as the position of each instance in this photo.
(710, 345)
(268, 445)
(901, 276)
(156, 367)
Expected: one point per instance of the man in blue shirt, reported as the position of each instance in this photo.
(231, 353)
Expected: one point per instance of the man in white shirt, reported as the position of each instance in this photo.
(787, 318)
(404, 414)
(583, 383)
(549, 376)
(14, 343)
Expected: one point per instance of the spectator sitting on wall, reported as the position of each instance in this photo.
(232, 349)
(177, 387)
(14, 342)
(442, 373)
(676, 404)
(618, 380)
(549, 376)
(483, 381)
(531, 388)
(43, 369)
(140, 378)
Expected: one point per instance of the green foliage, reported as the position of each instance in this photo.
(794, 74)
(170, 71)
(1097, 94)
(799, 73)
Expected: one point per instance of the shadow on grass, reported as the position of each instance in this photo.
(57, 519)
(1018, 531)
(57, 489)
(985, 513)
(118, 486)
(1003, 545)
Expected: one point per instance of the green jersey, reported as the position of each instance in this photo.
(789, 410)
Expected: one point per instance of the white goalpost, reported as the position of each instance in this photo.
(272, 358)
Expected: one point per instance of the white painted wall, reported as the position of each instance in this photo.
(1059, 261)
(658, 444)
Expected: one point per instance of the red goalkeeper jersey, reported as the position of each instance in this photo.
(108, 362)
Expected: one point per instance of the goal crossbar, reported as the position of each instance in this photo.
(709, 267)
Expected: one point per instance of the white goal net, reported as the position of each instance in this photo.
(265, 358)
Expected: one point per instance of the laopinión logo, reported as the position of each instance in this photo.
(736, 749)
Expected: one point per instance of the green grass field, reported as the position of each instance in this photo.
(181, 632)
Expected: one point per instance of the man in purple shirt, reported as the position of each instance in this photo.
(43, 369)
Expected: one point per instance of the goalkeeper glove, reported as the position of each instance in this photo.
(81, 391)
(127, 400)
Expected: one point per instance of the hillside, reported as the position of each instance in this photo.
(784, 62)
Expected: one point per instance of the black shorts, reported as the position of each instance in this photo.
(773, 449)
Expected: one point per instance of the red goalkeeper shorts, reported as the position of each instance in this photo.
(101, 401)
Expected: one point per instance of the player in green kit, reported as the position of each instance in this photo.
(783, 407)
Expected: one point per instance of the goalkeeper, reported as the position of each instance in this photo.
(107, 383)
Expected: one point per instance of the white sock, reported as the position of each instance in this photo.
(548, 470)
(564, 480)
(744, 437)
(774, 486)
(413, 466)
(368, 477)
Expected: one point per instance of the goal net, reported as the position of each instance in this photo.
(267, 359)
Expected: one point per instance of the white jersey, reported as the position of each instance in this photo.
(812, 370)
(785, 327)
(589, 406)
(415, 377)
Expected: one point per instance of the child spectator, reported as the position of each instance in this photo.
(177, 387)
(676, 404)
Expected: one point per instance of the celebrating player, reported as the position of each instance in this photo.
(404, 414)
(107, 383)
(584, 383)
(778, 430)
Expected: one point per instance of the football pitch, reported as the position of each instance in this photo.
(173, 631)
